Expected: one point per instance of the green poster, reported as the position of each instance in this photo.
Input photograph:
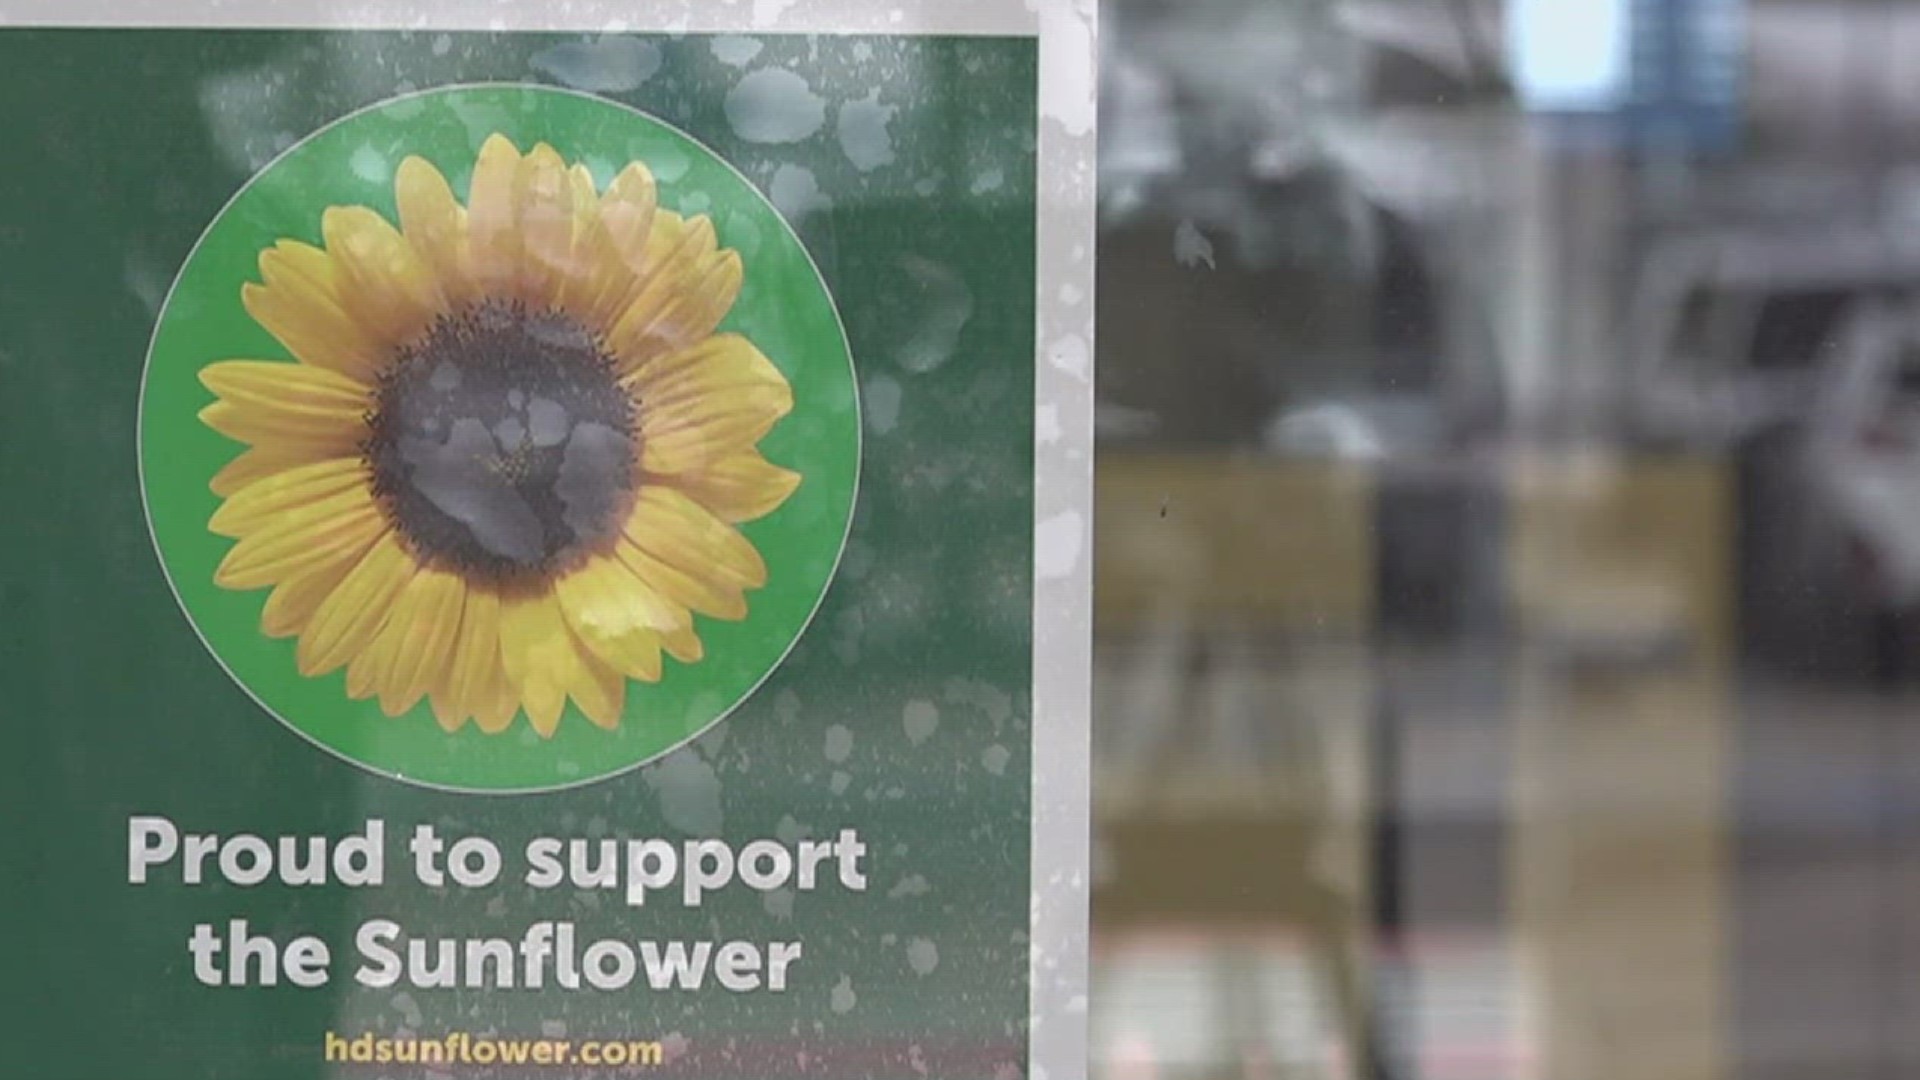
(532, 552)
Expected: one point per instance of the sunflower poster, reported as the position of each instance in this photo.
(546, 545)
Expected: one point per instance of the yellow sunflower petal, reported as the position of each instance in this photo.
(435, 225)
(257, 463)
(742, 487)
(297, 390)
(721, 364)
(685, 293)
(466, 684)
(493, 232)
(676, 237)
(264, 402)
(300, 303)
(614, 247)
(706, 404)
(698, 309)
(584, 255)
(385, 284)
(695, 592)
(260, 502)
(417, 637)
(540, 657)
(363, 671)
(351, 616)
(291, 605)
(598, 690)
(618, 617)
(499, 702)
(301, 540)
(630, 208)
(446, 712)
(672, 254)
(257, 427)
(682, 533)
(684, 645)
(544, 194)
(586, 198)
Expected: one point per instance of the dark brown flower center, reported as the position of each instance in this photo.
(502, 445)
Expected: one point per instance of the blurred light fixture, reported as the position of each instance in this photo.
(1571, 55)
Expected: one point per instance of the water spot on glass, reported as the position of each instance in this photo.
(766, 12)
(774, 106)
(846, 642)
(843, 998)
(880, 399)
(592, 468)
(546, 420)
(741, 233)
(994, 759)
(510, 432)
(839, 782)
(790, 831)
(922, 956)
(982, 695)
(609, 65)
(442, 45)
(920, 719)
(864, 137)
(1058, 542)
(991, 180)
(369, 164)
(1191, 246)
(1071, 355)
(242, 109)
(675, 1046)
(689, 793)
(911, 885)
(409, 1009)
(734, 50)
(1046, 422)
(857, 561)
(839, 743)
(454, 478)
(786, 706)
(667, 163)
(940, 305)
(796, 193)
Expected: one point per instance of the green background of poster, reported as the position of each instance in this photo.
(903, 712)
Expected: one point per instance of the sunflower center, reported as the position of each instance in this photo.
(502, 445)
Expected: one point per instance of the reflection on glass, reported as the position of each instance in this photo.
(1509, 539)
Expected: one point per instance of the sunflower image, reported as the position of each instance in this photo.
(507, 461)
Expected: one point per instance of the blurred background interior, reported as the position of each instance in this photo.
(1508, 585)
